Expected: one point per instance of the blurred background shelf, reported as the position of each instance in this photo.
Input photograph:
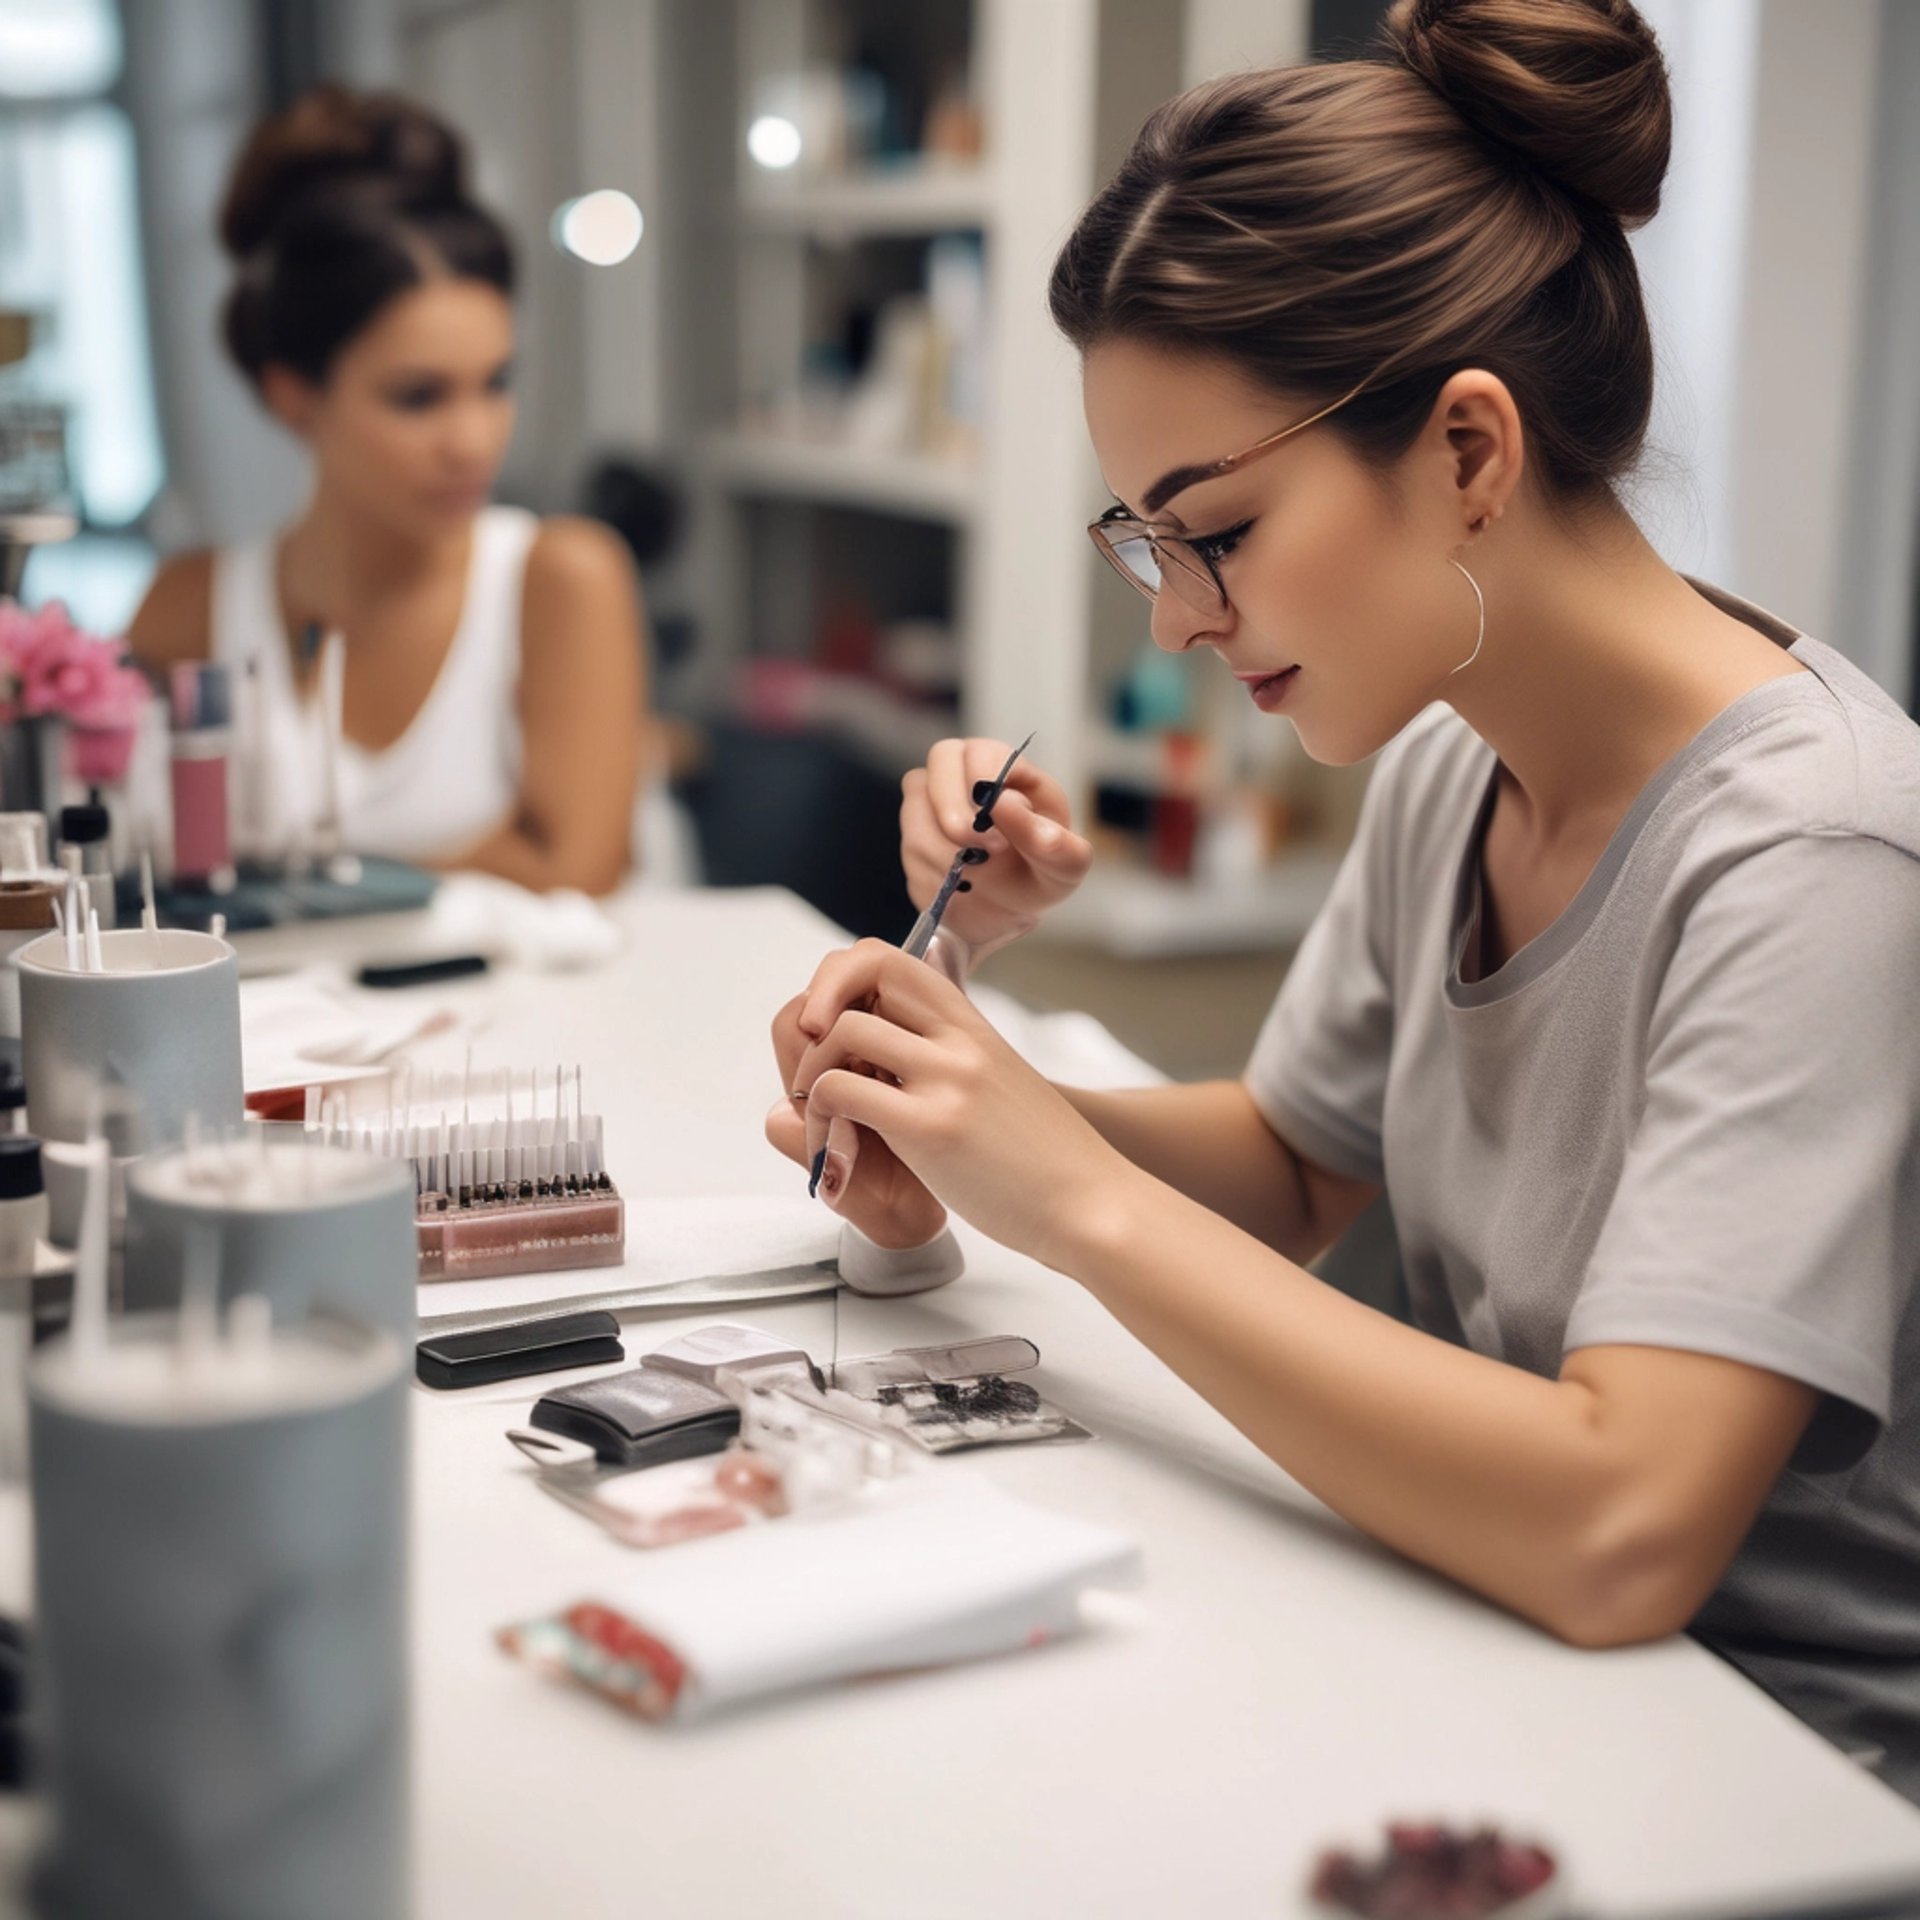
(822, 401)
(915, 485)
(898, 201)
(1136, 914)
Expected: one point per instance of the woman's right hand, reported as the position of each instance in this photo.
(884, 1198)
(1035, 859)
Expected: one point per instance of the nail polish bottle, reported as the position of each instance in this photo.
(202, 736)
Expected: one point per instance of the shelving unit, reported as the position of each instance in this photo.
(760, 303)
(920, 198)
(914, 485)
(1140, 915)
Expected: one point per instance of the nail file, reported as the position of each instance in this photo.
(719, 1289)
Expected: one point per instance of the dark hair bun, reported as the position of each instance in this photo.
(332, 141)
(337, 206)
(1576, 87)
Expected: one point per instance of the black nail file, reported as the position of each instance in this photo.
(546, 1345)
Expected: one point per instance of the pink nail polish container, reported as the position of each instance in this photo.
(202, 709)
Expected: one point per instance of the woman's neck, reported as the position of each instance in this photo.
(336, 559)
(1600, 664)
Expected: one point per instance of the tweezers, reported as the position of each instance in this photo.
(985, 799)
(671, 1296)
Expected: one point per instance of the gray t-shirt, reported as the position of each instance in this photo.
(1687, 1115)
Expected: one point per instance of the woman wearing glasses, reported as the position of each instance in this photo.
(1613, 995)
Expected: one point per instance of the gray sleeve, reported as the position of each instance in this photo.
(1318, 1073)
(1769, 1208)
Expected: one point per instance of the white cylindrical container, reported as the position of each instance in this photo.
(219, 1684)
(307, 1226)
(142, 1046)
(26, 912)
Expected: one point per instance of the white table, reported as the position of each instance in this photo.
(1277, 1682)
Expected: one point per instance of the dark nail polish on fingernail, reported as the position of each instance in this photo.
(981, 788)
(965, 886)
(975, 856)
(813, 1178)
(982, 822)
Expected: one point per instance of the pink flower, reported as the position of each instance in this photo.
(48, 665)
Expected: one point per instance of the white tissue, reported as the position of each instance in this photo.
(934, 1568)
(551, 932)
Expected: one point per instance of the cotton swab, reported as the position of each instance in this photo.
(149, 914)
(74, 928)
(198, 1328)
(250, 1329)
(96, 962)
(89, 1317)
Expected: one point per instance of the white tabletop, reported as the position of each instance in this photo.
(1278, 1681)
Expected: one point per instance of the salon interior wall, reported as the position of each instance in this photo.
(553, 97)
(1784, 272)
(193, 85)
(1784, 279)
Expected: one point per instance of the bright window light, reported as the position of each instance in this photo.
(601, 227)
(56, 49)
(774, 141)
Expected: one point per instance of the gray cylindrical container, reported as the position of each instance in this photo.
(307, 1226)
(158, 1031)
(219, 1690)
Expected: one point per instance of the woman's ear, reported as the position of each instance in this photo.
(290, 398)
(1474, 417)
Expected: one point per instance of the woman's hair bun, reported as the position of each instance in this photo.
(1576, 87)
(333, 141)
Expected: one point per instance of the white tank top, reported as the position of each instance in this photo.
(453, 776)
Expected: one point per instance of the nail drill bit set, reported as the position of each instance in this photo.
(509, 1170)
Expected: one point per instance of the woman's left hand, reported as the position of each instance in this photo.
(978, 1125)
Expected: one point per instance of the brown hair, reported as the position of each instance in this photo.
(1459, 198)
(336, 206)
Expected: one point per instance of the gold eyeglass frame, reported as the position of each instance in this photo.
(1205, 591)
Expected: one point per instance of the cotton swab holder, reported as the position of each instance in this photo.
(155, 1031)
(309, 1227)
(220, 1681)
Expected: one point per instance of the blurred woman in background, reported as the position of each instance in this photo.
(494, 690)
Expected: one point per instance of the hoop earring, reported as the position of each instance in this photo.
(1480, 600)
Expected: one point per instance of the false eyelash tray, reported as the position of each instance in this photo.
(683, 1398)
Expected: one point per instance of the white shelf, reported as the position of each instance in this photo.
(916, 486)
(1139, 915)
(907, 201)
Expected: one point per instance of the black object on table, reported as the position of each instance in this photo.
(449, 1360)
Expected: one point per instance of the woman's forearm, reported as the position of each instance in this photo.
(1210, 1142)
(1492, 1475)
(518, 853)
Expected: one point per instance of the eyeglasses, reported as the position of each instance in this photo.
(1149, 556)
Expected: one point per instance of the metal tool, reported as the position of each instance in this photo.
(717, 1289)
